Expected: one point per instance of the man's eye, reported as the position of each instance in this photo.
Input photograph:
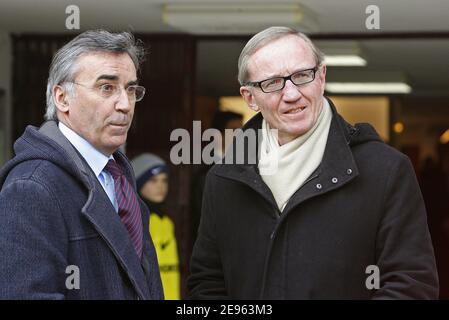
(303, 76)
(131, 89)
(273, 82)
(107, 88)
(300, 75)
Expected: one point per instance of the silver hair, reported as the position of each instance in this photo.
(63, 67)
(263, 38)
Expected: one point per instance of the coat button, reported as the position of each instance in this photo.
(334, 180)
(319, 186)
(349, 171)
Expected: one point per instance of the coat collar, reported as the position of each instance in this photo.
(337, 168)
(100, 212)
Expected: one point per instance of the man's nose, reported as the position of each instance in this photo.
(124, 102)
(291, 92)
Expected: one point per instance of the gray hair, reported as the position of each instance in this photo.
(263, 38)
(63, 67)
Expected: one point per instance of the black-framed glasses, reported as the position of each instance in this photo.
(135, 93)
(278, 83)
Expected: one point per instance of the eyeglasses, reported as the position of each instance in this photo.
(278, 83)
(135, 93)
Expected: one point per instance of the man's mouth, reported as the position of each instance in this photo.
(296, 110)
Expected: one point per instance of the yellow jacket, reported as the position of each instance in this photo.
(162, 232)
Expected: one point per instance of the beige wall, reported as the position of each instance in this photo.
(236, 104)
(373, 110)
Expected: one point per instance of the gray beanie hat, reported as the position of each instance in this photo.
(146, 166)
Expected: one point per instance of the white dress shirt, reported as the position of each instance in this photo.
(94, 158)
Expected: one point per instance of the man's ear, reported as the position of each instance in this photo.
(322, 76)
(61, 98)
(249, 98)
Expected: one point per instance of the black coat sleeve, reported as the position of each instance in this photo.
(206, 280)
(404, 249)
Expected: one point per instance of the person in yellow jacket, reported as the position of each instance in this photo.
(152, 182)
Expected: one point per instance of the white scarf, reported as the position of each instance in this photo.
(296, 160)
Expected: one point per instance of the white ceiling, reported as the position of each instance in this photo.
(145, 15)
(423, 62)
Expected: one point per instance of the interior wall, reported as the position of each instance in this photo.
(238, 105)
(424, 119)
(374, 110)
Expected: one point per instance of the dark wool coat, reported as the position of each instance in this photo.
(362, 207)
(55, 215)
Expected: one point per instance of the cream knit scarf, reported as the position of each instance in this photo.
(296, 160)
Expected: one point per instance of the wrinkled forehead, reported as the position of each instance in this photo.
(93, 64)
(286, 54)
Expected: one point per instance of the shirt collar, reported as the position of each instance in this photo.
(94, 158)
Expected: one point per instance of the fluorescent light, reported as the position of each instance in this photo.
(368, 87)
(344, 60)
(342, 53)
(236, 18)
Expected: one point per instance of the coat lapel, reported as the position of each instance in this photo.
(247, 172)
(101, 213)
(337, 168)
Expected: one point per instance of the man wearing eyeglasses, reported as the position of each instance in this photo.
(342, 215)
(73, 226)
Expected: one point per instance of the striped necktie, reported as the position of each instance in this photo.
(128, 205)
